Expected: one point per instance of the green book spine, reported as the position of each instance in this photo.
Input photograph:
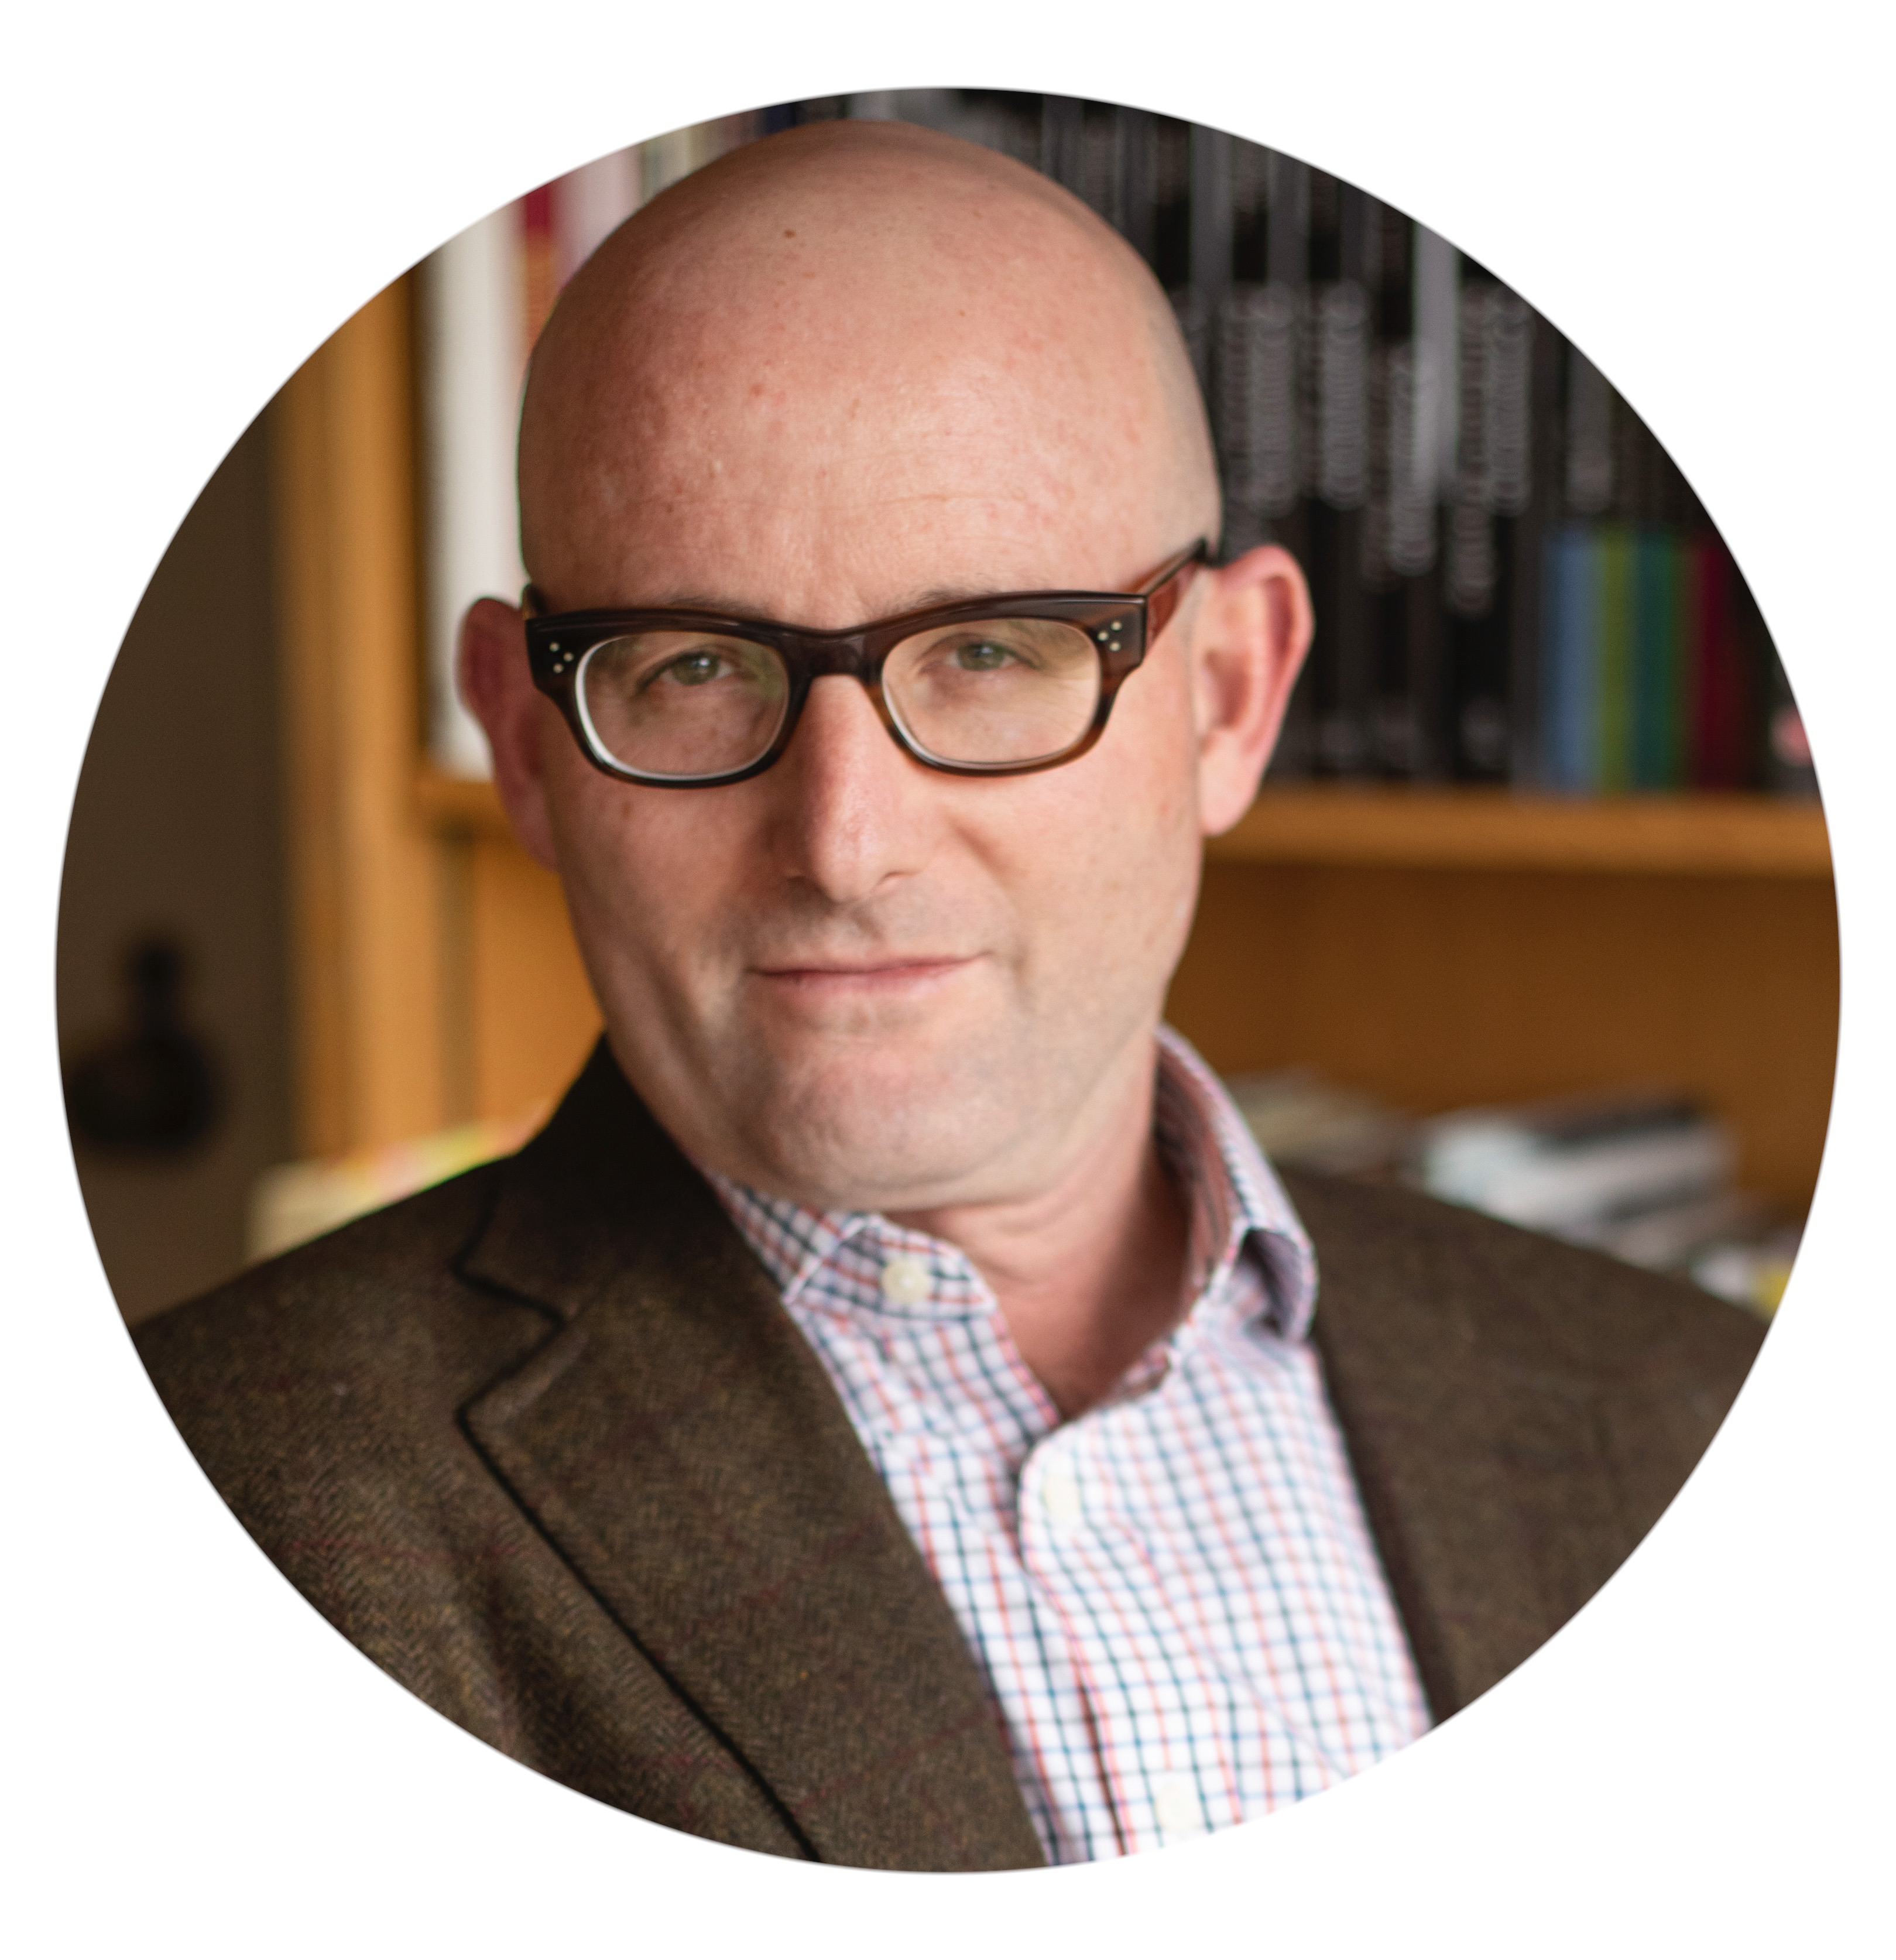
(1616, 636)
(1685, 638)
(1655, 661)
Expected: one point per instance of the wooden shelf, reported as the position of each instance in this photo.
(1723, 835)
(459, 803)
(1434, 829)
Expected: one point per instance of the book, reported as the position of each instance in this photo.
(470, 320)
(1644, 1175)
(1286, 187)
(1340, 329)
(1613, 677)
(1654, 737)
(1717, 688)
(1570, 651)
(1566, 1164)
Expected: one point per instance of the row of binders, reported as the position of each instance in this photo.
(1513, 583)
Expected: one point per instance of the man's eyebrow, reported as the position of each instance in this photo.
(687, 602)
(950, 595)
(726, 609)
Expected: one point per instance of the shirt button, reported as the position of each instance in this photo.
(1060, 1492)
(1174, 1803)
(905, 1281)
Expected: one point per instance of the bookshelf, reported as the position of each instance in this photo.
(1734, 835)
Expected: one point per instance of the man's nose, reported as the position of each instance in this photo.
(852, 811)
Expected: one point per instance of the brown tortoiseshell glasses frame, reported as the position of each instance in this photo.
(1122, 625)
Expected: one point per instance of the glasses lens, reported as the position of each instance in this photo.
(995, 690)
(682, 704)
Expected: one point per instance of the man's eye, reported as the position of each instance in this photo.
(692, 670)
(982, 656)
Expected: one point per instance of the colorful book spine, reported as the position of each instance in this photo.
(1655, 732)
(1652, 675)
(1718, 757)
(1569, 690)
(1687, 606)
(1613, 679)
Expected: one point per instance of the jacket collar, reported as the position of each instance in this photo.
(678, 1442)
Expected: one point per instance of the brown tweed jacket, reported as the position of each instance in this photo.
(544, 1444)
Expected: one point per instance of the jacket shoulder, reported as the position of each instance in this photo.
(383, 1291)
(324, 1386)
(1530, 1304)
(322, 1394)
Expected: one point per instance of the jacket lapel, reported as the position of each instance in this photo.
(1479, 1449)
(678, 1442)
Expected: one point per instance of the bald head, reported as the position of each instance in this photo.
(855, 317)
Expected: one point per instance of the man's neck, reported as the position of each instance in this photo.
(1089, 1273)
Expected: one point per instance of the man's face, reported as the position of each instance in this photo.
(854, 980)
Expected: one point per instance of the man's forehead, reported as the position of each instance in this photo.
(872, 490)
(927, 364)
(717, 369)
(820, 567)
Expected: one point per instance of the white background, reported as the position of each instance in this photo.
(1700, 196)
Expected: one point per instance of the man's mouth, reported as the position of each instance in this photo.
(885, 973)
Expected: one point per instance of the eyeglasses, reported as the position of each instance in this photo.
(988, 687)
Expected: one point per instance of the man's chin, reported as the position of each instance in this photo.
(878, 1129)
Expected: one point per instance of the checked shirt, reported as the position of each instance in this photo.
(1174, 1598)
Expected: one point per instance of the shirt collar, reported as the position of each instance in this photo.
(1238, 1209)
(793, 1243)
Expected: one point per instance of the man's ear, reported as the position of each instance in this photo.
(496, 682)
(1253, 630)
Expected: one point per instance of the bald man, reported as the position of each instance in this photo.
(888, 1416)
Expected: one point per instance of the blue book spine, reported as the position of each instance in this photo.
(1613, 636)
(1570, 676)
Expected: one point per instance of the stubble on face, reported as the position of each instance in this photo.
(877, 370)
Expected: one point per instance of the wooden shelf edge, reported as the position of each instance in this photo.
(1724, 836)
(1721, 835)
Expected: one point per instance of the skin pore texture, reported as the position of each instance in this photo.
(853, 369)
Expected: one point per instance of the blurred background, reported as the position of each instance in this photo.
(1533, 911)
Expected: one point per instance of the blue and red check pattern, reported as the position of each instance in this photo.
(1175, 1598)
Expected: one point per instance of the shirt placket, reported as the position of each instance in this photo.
(975, 1391)
(1092, 1532)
